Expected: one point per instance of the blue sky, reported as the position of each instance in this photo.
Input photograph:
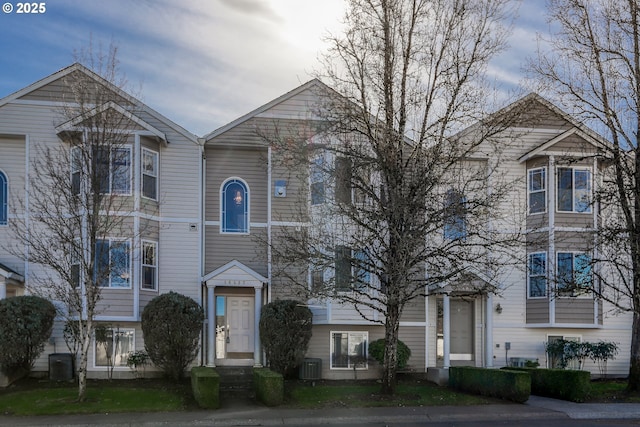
(202, 63)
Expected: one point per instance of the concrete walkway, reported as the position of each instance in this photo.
(251, 414)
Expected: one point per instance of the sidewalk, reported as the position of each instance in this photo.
(248, 413)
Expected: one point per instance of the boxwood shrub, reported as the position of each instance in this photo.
(269, 386)
(205, 384)
(503, 384)
(565, 384)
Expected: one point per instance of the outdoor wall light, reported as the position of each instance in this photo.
(498, 308)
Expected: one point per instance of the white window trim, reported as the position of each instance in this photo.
(142, 265)
(95, 348)
(573, 189)
(156, 176)
(577, 338)
(362, 368)
(6, 198)
(235, 233)
(117, 239)
(529, 192)
(546, 275)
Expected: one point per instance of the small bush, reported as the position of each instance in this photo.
(205, 384)
(171, 325)
(25, 325)
(269, 386)
(501, 383)
(285, 331)
(376, 350)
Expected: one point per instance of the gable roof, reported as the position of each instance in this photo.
(71, 124)
(235, 265)
(315, 83)
(8, 273)
(573, 131)
(77, 67)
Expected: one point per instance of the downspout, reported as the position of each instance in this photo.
(269, 217)
(27, 213)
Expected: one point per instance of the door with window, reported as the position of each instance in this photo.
(234, 327)
(461, 330)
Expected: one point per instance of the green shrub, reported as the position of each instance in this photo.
(25, 325)
(285, 331)
(376, 350)
(205, 384)
(571, 385)
(501, 383)
(269, 386)
(171, 325)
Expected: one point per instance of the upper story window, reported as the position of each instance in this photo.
(455, 215)
(316, 180)
(343, 170)
(112, 169)
(235, 206)
(537, 275)
(149, 174)
(4, 197)
(112, 265)
(537, 190)
(574, 190)
(149, 265)
(574, 272)
(351, 269)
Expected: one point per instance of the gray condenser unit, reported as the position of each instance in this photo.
(60, 366)
(310, 369)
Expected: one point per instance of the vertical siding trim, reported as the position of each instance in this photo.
(551, 256)
(596, 212)
(137, 165)
(426, 328)
(27, 213)
(489, 331)
(269, 229)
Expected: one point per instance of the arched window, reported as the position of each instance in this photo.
(4, 196)
(235, 207)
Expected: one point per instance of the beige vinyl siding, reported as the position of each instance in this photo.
(178, 260)
(291, 208)
(248, 164)
(414, 338)
(179, 180)
(537, 310)
(414, 311)
(222, 248)
(573, 241)
(538, 115)
(574, 310)
(572, 145)
(115, 302)
(578, 220)
(149, 229)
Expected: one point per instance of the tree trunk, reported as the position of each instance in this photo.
(82, 370)
(392, 325)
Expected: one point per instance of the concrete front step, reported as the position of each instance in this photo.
(236, 381)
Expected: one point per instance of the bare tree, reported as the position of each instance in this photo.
(593, 67)
(77, 199)
(403, 201)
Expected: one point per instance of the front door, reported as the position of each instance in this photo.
(461, 330)
(240, 334)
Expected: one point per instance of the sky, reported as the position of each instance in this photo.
(202, 63)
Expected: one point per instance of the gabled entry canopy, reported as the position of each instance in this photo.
(234, 273)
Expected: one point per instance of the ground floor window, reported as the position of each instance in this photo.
(113, 345)
(349, 350)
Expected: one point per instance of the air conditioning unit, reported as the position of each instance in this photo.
(310, 369)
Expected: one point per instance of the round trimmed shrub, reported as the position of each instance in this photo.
(25, 325)
(285, 331)
(171, 325)
(376, 350)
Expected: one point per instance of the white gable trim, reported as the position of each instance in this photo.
(540, 149)
(234, 274)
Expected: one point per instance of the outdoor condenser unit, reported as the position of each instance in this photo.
(310, 369)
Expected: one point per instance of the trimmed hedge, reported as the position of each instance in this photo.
(571, 385)
(503, 384)
(269, 386)
(205, 383)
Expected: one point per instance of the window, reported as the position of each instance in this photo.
(343, 268)
(317, 280)
(537, 187)
(235, 207)
(149, 174)
(4, 196)
(114, 347)
(455, 215)
(574, 190)
(349, 350)
(343, 180)
(76, 170)
(573, 272)
(112, 266)
(149, 265)
(362, 272)
(317, 181)
(537, 272)
(112, 169)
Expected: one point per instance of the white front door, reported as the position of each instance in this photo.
(461, 330)
(240, 313)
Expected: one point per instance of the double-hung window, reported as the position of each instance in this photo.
(149, 174)
(316, 180)
(4, 196)
(114, 347)
(343, 277)
(149, 265)
(349, 350)
(537, 275)
(574, 273)
(112, 168)
(537, 190)
(235, 206)
(343, 177)
(112, 265)
(574, 190)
